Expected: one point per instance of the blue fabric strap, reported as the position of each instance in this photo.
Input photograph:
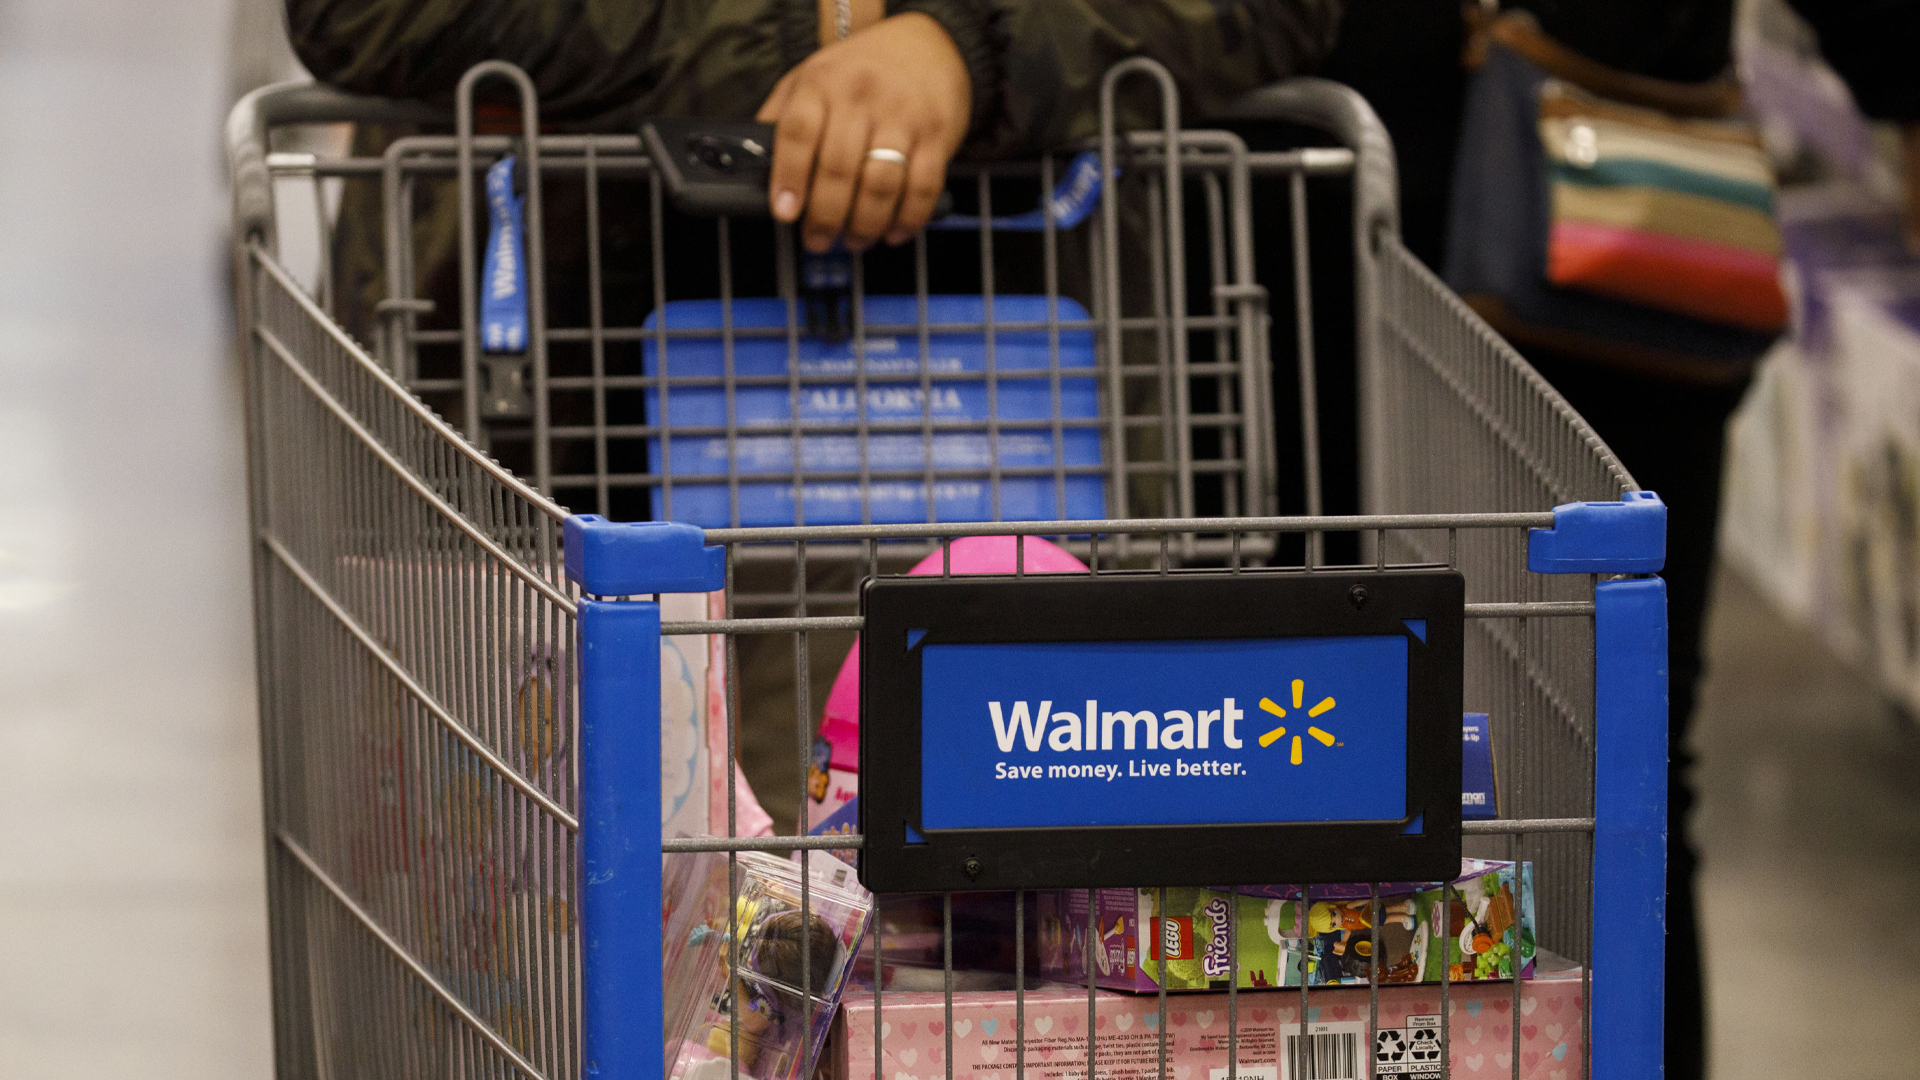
(503, 279)
(1073, 198)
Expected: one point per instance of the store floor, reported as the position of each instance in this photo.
(1810, 829)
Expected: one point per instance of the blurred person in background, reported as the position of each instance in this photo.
(1660, 392)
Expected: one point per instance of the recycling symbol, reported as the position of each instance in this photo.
(1390, 1045)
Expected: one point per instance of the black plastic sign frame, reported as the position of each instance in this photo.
(905, 614)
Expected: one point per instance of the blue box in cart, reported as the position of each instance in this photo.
(896, 491)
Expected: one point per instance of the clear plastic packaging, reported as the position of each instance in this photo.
(783, 955)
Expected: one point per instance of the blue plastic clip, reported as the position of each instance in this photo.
(1625, 537)
(607, 558)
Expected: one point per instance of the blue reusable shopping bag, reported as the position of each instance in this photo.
(896, 447)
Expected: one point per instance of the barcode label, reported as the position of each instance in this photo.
(1327, 1052)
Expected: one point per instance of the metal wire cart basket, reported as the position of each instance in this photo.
(461, 680)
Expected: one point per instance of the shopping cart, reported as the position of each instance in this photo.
(459, 680)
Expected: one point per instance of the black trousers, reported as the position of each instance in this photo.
(1671, 437)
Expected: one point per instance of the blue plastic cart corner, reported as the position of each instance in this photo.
(608, 558)
(1630, 828)
(1624, 537)
(1628, 1006)
(622, 1018)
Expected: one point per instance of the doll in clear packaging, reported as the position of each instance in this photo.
(783, 955)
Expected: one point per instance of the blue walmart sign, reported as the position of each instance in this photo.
(1163, 732)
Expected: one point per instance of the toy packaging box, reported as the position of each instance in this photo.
(823, 388)
(914, 1034)
(792, 966)
(833, 772)
(1483, 922)
(1479, 790)
(686, 760)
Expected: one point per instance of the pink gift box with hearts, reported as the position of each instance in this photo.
(915, 1029)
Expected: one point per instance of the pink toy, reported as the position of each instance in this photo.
(836, 786)
(979, 1029)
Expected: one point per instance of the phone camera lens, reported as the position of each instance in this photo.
(727, 155)
(716, 154)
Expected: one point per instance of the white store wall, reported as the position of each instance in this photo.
(132, 913)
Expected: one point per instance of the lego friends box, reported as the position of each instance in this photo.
(1483, 923)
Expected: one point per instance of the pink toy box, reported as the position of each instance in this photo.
(1407, 1045)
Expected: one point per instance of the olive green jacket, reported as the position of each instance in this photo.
(1036, 65)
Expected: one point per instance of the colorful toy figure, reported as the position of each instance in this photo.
(1340, 934)
(1341, 917)
(817, 770)
(1353, 915)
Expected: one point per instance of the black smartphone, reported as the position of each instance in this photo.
(721, 166)
(712, 166)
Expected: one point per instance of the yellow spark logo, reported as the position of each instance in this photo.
(1299, 697)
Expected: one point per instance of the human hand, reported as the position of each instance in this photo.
(899, 85)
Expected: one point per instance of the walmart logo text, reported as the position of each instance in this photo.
(1092, 729)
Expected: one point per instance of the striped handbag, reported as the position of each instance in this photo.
(1672, 213)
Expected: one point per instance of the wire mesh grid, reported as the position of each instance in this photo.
(1174, 418)
(1512, 441)
(417, 707)
(417, 684)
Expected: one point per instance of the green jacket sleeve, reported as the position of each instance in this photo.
(588, 58)
(1037, 64)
